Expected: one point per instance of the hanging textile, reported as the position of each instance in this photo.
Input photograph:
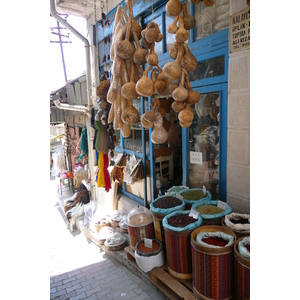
(83, 143)
(103, 179)
(106, 174)
(97, 135)
(100, 178)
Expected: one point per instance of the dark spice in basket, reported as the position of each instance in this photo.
(181, 220)
(167, 202)
(240, 221)
(193, 195)
(248, 247)
(216, 241)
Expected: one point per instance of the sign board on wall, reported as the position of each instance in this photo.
(239, 31)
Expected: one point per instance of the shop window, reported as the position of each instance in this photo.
(204, 144)
(212, 18)
(208, 68)
(158, 46)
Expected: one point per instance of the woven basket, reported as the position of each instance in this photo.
(237, 232)
(241, 274)
(149, 260)
(213, 274)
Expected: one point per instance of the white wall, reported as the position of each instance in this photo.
(238, 139)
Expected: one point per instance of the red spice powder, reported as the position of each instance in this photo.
(143, 248)
(215, 241)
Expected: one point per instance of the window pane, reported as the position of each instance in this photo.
(204, 144)
(212, 18)
(208, 68)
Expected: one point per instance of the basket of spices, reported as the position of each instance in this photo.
(238, 223)
(161, 207)
(192, 196)
(242, 268)
(212, 261)
(100, 224)
(149, 254)
(140, 225)
(178, 227)
(212, 211)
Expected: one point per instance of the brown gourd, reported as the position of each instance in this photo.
(145, 123)
(189, 60)
(128, 89)
(173, 85)
(173, 51)
(150, 115)
(159, 83)
(173, 69)
(173, 8)
(152, 58)
(145, 86)
(181, 34)
(193, 96)
(172, 28)
(173, 139)
(125, 49)
(117, 122)
(180, 93)
(186, 116)
(151, 35)
(139, 56)
(178, 106)
(188, 20)
(159, 134)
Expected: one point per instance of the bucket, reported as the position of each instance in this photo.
(239, 229)
(213, 268)
(159, 213)
(241, 274)
(189, 202)
(140, 225)
(178, 247)
(211, 218)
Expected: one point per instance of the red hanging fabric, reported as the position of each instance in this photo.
(106, 174)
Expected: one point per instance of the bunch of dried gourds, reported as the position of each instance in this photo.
(131, 48)
(185, 62)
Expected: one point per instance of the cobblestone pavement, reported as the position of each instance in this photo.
(80, 270)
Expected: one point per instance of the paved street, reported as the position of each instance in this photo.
(80, 270)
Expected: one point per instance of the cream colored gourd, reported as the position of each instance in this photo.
(180, 93)
(145, 86)
(173, 8)
(173, 69)
(188, 20)
(159, 134)
(181, 34)
(189, 60)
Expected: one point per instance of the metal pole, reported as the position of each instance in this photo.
(62, 51)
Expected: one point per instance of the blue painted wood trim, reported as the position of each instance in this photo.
(185, 153)
(144, 156)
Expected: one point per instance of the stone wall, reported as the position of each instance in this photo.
(238, 134)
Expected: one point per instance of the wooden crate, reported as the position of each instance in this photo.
(170, 286)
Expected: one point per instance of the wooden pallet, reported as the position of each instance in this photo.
(171, 287)
(129, 253)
